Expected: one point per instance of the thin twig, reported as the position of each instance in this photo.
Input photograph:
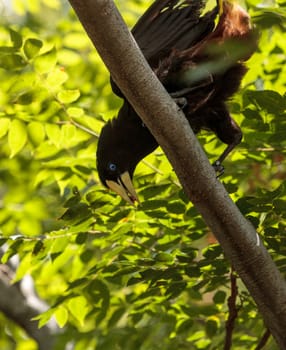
(263, 340)
(79, 126)
(232, 311)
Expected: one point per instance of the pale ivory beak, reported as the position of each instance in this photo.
(124, 188)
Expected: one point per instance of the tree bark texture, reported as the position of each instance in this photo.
(22, 308)
(239, 240)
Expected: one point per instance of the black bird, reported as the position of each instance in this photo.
(199, 62)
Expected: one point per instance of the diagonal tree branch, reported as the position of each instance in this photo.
(238, 238)
(22, 307)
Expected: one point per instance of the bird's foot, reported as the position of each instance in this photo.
(181, 102)
(218, 167)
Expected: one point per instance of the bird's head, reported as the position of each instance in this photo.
(122, 143)
(115, 163)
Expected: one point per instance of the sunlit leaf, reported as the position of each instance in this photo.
(13, 250)
(75, 112)
(46, 62)
(67, 134)
(32, 47)
(68, 96)
(61, 316)
(36, 132)
(54, 133)
(4, 126)
(78, 307)
(17, 136)
(44, 317)
(56, 78)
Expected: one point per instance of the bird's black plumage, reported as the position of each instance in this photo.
(194, 58)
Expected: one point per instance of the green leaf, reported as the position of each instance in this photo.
(57, 78)
(17, 137)
(12, 61)
(279, 206)
(7, 49)
(269, 100)
(68, 96)
(185, 326)
(32, 47)
(78, 283)
(81, 238)
(75, 112)
(68, 133)
(245, 205)
(175, 289)
(77, 213)
(24, 99)
(36, 132)
(116, 316)
(219, 297)
(12, 250)
(86, 256)
(59, 244)
(164, 257)
(176, 207)
(4, 126)
(16, 38)
(74, 200)
(269, 17)
(212, 326)
(153, 204)
(54, 133)
(38, 247)
(78, 307)
(46, 62)
(44, 317)
(61, 316)
(3, 241)
(100, 295)
(212, 252)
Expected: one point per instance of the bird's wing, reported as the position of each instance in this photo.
(172, 25)
(169, 25)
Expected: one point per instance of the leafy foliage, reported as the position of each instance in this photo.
(116, 276)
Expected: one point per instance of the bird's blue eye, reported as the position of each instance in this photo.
(112, 167)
